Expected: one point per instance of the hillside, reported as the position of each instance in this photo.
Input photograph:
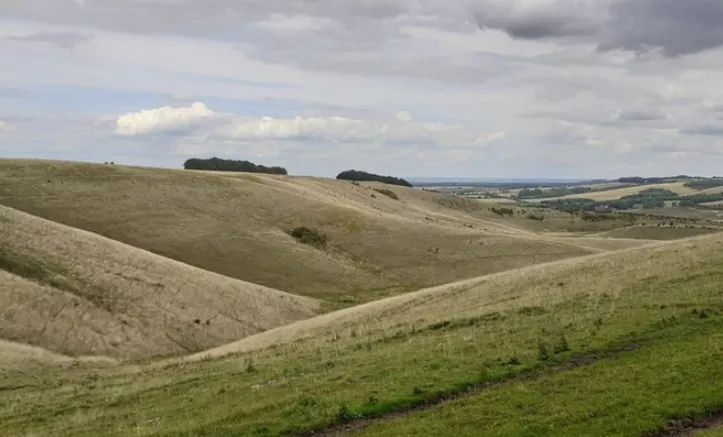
(76, 293)
(598, 334)
(237, 225)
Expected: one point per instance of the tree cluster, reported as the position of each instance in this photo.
(356, 175)
(219, 164)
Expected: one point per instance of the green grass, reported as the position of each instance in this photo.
(632, 395)
(307, 384)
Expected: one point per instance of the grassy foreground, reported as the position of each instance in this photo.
(667, 300)
(637, 394)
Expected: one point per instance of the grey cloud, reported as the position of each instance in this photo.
(559, 18)
(675, 27)
(64, 40)
(709, 130)
(633, 115)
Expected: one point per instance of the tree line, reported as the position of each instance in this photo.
(219, 164)
(362, 176)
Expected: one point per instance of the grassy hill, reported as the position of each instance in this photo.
(76, 293)
(237, 225)
(626, 343)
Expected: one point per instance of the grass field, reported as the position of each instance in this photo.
(676, 187)
(660, 306)
(130, 308)
(237, 225)
(76, 293)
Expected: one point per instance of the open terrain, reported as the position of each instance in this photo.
(237, 225)
(77, 293)
(148, 302)
(618, 343)
(676, 187)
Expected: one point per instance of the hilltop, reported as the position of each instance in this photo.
(382, 240)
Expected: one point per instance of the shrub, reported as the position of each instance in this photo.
(503, 211)
(309, 236)
(538, 217)
(389, 193)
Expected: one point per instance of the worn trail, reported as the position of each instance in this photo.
(355, 426)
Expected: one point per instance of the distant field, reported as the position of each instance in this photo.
(676, 187)
(681, 213)
(658, 233)
(644, 323)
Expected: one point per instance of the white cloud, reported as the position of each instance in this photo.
(490, 138)
(5, 127)
(300, 128)
(162, 120)
(404, 116)
(336, 129)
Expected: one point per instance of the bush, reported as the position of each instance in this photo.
(389, 193)
(218, 164)
(312, 237)
(503, 211)
(356, 175)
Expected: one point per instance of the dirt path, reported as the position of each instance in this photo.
(692, 427)
(358, 425)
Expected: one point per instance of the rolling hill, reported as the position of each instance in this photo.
(237, 225)
(76, 293)
(610, 329)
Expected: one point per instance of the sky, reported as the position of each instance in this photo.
(425, 88)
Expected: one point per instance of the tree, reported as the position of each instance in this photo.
(356, 175)
(219, 164)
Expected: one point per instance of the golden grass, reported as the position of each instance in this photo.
(76, 293)
(380, 355)
(676, 187)
(236, 225)
(544, 286)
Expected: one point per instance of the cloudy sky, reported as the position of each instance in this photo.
(478, 88)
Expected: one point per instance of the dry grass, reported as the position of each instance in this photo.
(676, 187)
(236, 225)
(76, 293)
(647, 233)
(543, 286)
(385, 354)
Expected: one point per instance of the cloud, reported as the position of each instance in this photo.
(490, 138)
(711, 130)
(301, 128)
(404, 116)
(335, 130)
(64, 40)
(673, 26)
(6, 127)
(162, 120)
(534, 19)
(633, 115)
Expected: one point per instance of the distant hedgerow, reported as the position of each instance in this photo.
(309, 236)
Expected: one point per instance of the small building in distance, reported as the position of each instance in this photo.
(604, 208)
